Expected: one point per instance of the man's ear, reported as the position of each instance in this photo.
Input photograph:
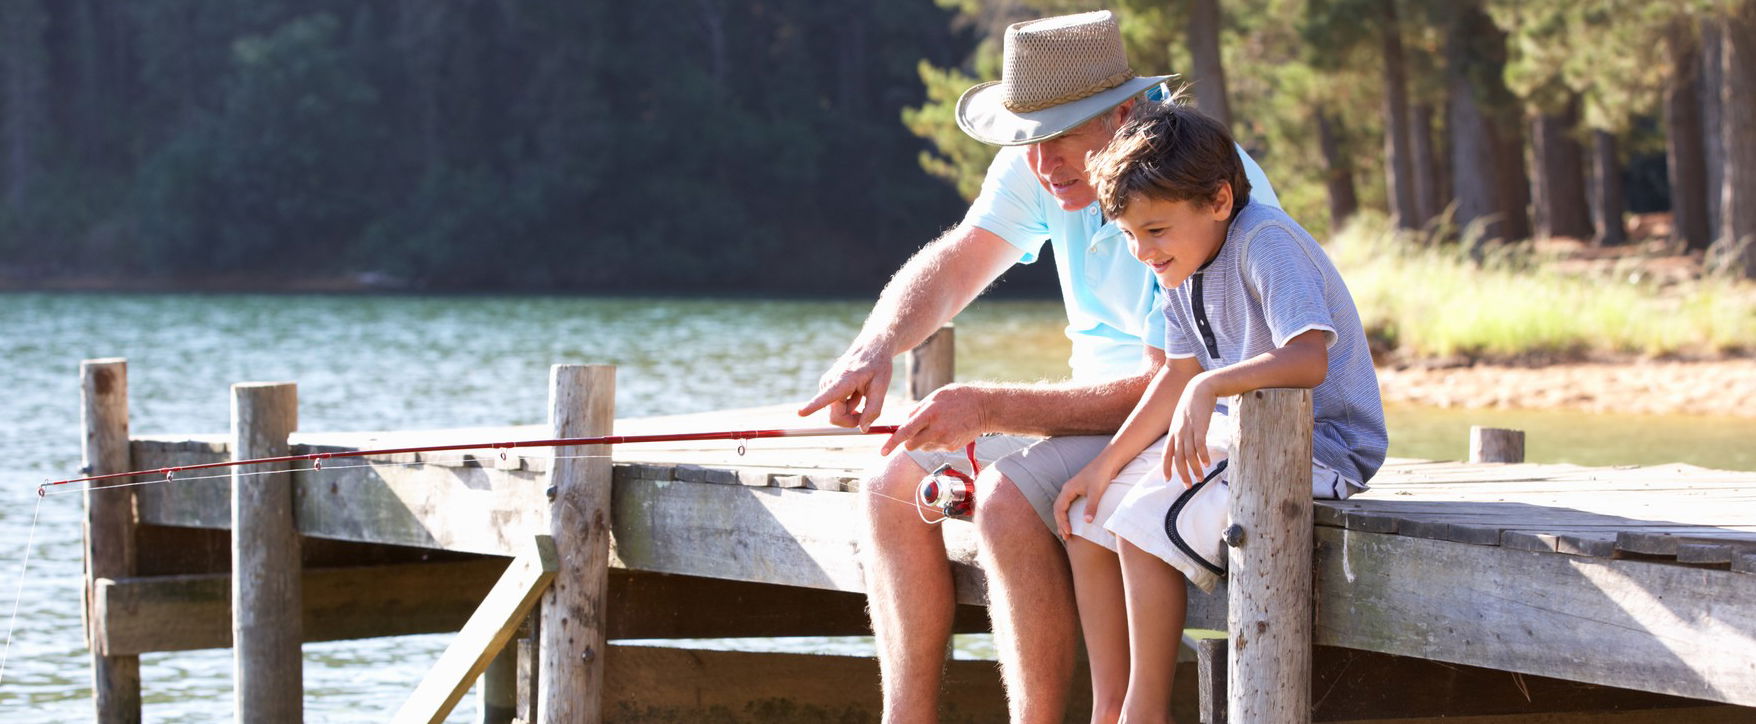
(1123, 110)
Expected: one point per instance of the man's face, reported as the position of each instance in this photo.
(1175, 238)
(1059, 162)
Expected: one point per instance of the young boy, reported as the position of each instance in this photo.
(1251, 301)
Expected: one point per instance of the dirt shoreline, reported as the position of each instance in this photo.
(1711, 388)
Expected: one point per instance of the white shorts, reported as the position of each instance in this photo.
(1181, 525)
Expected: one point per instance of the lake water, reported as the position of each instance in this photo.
(375, 363)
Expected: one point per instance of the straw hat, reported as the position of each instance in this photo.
(1059, 72)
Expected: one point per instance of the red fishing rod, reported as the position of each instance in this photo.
(317, 458)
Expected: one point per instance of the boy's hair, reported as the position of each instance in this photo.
(1170, 151)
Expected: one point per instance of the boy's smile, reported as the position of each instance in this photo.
(1175, 238)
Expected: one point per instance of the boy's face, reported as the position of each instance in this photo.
(1175, 238)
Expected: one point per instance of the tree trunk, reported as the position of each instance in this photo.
(1513, 188)
(1339, 173)
(1607, 203)
(1685, 164)
(24, 98)
(1472, 145)
(1487, 148)
(1426, 174)
(1736, 248)
(1209, 71)
(1713, 145)
(1558, 175)
(1398, 167)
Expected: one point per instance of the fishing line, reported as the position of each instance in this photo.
(23, 569)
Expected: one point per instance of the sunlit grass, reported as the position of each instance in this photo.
(1515, 304)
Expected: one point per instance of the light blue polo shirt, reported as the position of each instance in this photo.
(1109, 295)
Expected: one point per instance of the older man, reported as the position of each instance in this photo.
(1065, 89)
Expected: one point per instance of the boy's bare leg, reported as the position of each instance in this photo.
(1030, 600)
(1103, 614)
(1157, 597)
(909, 592)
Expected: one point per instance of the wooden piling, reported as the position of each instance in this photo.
(1269, 606)
(582, 401)
(109, 528)
(497, 699)
(1495, 445)
(267, 595)
(931, 365)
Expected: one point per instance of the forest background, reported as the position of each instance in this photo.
(805, 146)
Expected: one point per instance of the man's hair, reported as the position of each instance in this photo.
(1168, 151)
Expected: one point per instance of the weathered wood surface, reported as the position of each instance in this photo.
(267, 601)
(931, 365)
(1268, 620)
(787, 493)
(582, 403)
(1495, 445)
(1354, 685)
(177, 613)
(109, 530)
(484, 635)
(1657, 627)
(652, 684)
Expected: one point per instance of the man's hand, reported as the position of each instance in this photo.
(950, 418)
(1186, 454)
(856, 378)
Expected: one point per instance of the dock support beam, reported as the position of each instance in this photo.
(267, 593)
(931, 365)
(109, 529)
(1268, 621)
(582, 403)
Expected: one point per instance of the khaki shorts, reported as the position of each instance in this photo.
(1037, 466)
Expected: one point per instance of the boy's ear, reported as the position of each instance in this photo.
(1222, 201)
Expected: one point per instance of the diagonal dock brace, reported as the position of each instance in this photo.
(487, 631)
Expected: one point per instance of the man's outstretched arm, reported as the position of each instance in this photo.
(937, 283)
(955, 414)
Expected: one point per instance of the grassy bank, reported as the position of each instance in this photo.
(1523, 303)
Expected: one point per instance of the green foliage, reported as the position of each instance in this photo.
(960, 159)
(1519, 305)
(589, 145)
(1609, 51)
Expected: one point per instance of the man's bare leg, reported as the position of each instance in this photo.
(909, 592)
(1030, 600)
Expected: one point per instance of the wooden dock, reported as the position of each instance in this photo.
(1497, 591)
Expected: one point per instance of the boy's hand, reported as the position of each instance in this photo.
(1090, 484)
(1186, 455)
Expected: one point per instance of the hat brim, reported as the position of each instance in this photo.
(981, 114)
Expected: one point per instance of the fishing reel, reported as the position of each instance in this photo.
(949, 491)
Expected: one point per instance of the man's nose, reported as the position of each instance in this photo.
(1045, 157)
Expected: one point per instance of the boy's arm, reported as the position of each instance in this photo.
(1302, 362)
(1148, 421)
(1150, 418)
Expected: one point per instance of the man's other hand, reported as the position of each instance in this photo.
(853, 390)
(950, 418)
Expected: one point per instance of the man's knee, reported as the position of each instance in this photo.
(887, 496)
(1002, 513)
